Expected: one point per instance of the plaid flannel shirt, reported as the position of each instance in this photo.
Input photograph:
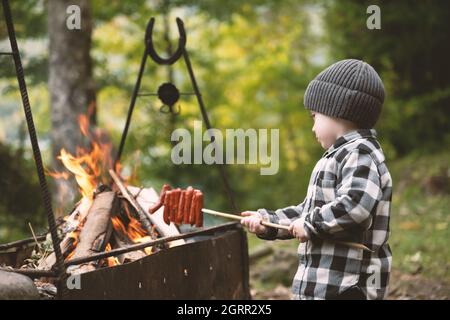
(348, 199)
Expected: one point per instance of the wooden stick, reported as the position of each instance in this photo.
(32, 273)
(23, 242)
(236, 217)
(35, 239)
(279, 226)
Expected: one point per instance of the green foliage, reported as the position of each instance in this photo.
(411, 54)
(20, 197)
(251, 74)
(29, 19)
(420, 216)
(30, 23)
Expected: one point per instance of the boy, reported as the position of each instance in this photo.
(349, 193)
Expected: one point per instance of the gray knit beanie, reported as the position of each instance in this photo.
(348, 89)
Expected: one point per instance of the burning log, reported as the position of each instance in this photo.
(145, 221)
(128, 256)
(97, 229)
(68, 243)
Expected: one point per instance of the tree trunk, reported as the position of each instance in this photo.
(70, 82)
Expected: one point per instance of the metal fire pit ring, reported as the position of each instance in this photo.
(212, 266)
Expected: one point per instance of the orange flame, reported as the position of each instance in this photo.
(88, 168)
(133, 230)
(86, 182)
(112, 261)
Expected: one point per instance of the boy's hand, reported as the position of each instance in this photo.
(252, 221)
(297, 230)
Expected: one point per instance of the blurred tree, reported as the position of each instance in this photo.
(70, 82)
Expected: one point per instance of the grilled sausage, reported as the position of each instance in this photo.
(198, 211)
(192, 210)
(167, 200)
(174, 205)
(180, 212)
(195, 205)
(155, 207)
(187, 204)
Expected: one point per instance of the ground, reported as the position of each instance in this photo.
(270, 278)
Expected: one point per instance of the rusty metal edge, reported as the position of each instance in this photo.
(222, 231)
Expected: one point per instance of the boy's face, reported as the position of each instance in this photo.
(328, 129)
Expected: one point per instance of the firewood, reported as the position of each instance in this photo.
(119, 242)
(96, 230)
(143, 217)
(71, 224)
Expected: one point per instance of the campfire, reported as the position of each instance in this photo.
(111, 216)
